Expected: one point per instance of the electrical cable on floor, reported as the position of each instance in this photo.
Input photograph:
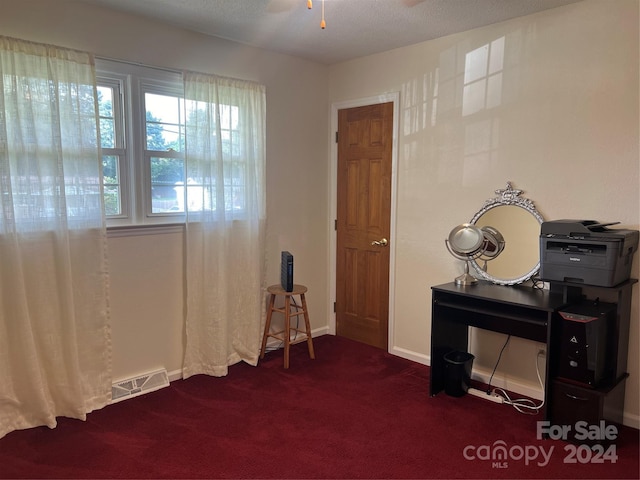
(524, 405)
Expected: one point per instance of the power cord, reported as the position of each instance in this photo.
(496, 365)
(522, 405)
(537, 284)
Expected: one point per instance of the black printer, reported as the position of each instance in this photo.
(586, 251)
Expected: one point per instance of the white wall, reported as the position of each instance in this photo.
(147, 305)
(561, 123)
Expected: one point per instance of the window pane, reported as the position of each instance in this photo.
(105, 101)
(107, 139)
(107, 121)
(167, 180)
(229, 130)
(234, 201)
(199, 196)
(112, 187)
(164, 122)
(112, 204)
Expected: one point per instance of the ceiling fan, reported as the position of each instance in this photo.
(281, 6)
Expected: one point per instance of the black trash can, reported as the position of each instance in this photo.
(457, 373)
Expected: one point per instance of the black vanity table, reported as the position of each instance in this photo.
(529, 313)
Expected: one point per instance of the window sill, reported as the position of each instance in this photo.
(138, 230)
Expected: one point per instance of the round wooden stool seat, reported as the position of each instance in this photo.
(278, 290)
(285, 334)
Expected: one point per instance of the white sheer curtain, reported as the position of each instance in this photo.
(54, 332)
(225, 251)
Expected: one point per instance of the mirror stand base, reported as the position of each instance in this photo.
(466, 279)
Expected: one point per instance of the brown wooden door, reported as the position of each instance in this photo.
(365, 138)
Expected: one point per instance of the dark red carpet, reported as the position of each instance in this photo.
(354, 412)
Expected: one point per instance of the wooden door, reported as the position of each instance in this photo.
(365, 138)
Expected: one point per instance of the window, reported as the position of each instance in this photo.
(142, 137)
(143, 128)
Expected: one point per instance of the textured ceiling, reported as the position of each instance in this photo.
(354, 27)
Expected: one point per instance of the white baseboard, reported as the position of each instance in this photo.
(409, 355)
(175, 375)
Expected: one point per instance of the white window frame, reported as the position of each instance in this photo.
(116, 83)
(134, 81)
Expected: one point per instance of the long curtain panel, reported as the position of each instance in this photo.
(225, 210)
(54, 330)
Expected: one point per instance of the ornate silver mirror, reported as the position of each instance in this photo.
(517, 220)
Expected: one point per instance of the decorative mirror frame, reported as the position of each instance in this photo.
(507, 196)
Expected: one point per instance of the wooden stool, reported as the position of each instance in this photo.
(285, 335)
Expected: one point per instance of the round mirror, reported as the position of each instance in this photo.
(518, 222)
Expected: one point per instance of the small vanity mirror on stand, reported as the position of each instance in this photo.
(518, 221)
(471, 243)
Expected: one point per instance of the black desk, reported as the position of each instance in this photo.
(513, 310)
(532, 314)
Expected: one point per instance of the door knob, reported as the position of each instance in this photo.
(380, 243)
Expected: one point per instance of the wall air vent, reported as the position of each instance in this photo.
(133, 387)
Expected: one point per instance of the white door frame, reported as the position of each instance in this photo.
(333, 204)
